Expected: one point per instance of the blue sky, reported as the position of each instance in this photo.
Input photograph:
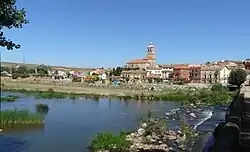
(94, 33)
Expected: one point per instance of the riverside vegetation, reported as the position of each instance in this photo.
(10, 117)
(217, 94)
(42, 108)
(9, 98)
(151, 135)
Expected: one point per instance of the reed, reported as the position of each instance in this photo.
(20, 117)
(9, 98)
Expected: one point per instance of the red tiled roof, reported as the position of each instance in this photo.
(149, 57)
(138, 61)
(181, 67)
(98, 71)
(166, 65)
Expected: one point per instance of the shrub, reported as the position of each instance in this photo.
(107, 141)
(15, 75)
(76, 79)
(41, 74)
(189, 133)
(51, 90)
(155, 126)
(10, 98)
(218, 87)
(42, 108)
(23, 75)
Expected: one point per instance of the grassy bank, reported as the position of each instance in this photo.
(9, 98)
(214, 96)
(9, 117)
(108, 141)
(152, 135)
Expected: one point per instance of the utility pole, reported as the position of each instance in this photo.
(23, 58)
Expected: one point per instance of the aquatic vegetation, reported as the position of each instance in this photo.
(20, 117)
(149, 113)
(50, 94)
(108, 141)
(189, 133)
(42, 107)
(10, 98)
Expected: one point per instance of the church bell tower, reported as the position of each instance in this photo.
(151, 54)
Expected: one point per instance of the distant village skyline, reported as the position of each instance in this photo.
(151, 56)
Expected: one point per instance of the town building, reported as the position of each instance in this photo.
(195, 73)
(224, 73)
(247, 64)
(134, 74)
(167, 71)
(209, 73)
(154, 72)
(181, 72)
(137, 69)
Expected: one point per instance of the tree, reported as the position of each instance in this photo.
(11, 17)
(237, 77)
(5, 69)
(31, 71)
(216, 74)
(21, 69)
(42, 69)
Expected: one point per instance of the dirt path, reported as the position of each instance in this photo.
(75, 89)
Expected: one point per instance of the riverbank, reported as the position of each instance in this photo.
(193, 96)
(152, 135)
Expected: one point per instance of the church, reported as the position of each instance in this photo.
(137, 69)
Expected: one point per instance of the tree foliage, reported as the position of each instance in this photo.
(237, 77)
(5, 69)
(116, 71)
(10, 17)
(22, 69)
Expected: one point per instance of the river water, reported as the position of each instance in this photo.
(70, 124)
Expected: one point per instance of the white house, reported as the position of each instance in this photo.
(224, 73)
(167, 70)
(103, 76)
(154, 72)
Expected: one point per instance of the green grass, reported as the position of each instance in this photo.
(50, 94)
(107, 141)
(10, 98)
(20, 117)
(214, 96)
(42, 108)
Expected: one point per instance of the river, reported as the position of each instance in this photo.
(70, 124)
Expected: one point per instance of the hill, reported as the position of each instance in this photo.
(33, 66)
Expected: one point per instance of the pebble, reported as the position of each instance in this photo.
(193, 115)
(144, 125)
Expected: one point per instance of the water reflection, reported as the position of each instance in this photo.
(12, 128)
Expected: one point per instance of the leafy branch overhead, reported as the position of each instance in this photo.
(10, 17)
